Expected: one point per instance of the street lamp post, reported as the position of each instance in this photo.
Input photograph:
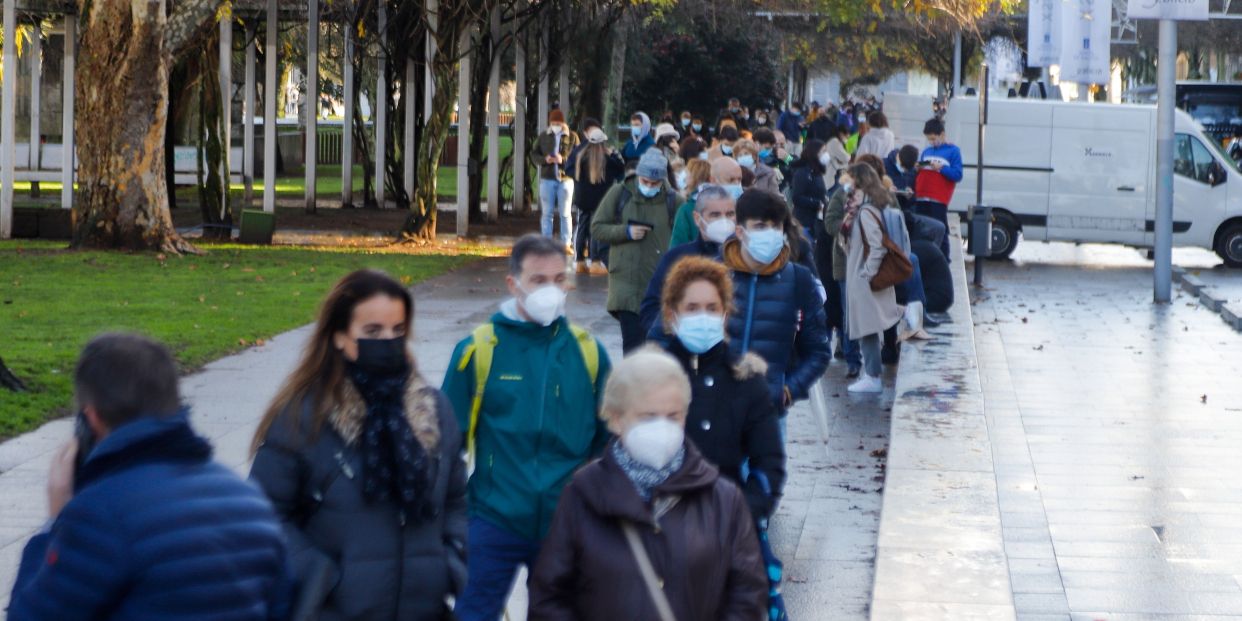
(1165, 87)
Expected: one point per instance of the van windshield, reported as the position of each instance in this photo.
(1224, 155)
(1216, 112)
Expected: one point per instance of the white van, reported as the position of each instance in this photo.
(1083, 172)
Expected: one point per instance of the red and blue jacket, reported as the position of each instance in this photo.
(938, 186)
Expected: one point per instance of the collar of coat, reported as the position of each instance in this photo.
(609, 493)
(746, 366)
(420, 411)
(732, 253)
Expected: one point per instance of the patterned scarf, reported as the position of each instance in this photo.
(644, 477)
(394, 463)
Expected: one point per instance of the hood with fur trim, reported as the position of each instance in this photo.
(420, 411)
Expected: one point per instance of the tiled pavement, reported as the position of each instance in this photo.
(825, 530)
(1115, 426)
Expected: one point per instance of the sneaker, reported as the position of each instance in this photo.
(581, 267)
(598, 269)
(928, 322)
(853, 371)
(867, 384)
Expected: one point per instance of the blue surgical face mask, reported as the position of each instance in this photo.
(734, 190)
(747, 161)
(700, 332)
(697, 127)
(765, 154)
(646, 191)
(637, 130)
(726, 149)
(682, 178)
(764, 246)
(685, 122)
(703, 155)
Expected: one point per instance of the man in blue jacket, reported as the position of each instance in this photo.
(940, 170)
(148, 527)
(777, 309)
(790, 123)
(716, 218)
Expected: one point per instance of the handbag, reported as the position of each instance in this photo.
(895, 267)
(658, 597)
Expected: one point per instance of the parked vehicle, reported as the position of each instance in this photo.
(1072, 171)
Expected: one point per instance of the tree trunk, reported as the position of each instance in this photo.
(10, 381)
(212, 190)
(420, 225)
(122, 94)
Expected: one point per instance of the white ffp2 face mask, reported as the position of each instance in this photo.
(545, 304)
(654, 442)
(719, 230)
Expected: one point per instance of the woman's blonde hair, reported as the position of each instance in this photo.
(747, 145)
(698, 172)
(872, 186)
(644, 370)
(596, 158)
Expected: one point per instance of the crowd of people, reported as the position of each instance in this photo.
(640, 490)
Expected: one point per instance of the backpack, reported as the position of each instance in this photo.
(670, 204)
(483, 344)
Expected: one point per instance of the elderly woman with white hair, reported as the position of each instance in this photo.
(650, 530)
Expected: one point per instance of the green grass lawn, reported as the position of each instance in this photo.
(328, 183)
(52, 301)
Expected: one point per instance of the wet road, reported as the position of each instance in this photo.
(1115, 425)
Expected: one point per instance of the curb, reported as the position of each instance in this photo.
(940, 553)
(1211, 298)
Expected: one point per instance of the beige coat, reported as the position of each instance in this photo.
(870, 312)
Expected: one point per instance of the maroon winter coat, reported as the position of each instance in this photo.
(704, 549)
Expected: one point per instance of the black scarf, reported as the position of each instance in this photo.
(394, 463)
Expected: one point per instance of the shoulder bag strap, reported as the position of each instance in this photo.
(654, 589)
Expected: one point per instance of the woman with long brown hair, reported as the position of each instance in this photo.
(869, 313)
(361, 459)
(597, 168)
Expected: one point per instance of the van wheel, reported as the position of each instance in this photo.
(1005, 231)
(1229, 245)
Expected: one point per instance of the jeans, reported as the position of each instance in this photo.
(940, 213)
(555, 198)
(850, 348)
(632, 335)
(495, 555)
(870, 346)
(584, 246)
(912, 289)
(927, 229)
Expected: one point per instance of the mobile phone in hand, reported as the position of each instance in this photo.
(86, 443)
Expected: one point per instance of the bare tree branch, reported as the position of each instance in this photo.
(188, 22)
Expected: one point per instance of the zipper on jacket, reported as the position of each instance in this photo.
(750, 312)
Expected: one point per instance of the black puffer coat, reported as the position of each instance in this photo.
(732, 419)
(387, 571)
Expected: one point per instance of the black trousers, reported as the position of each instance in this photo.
(632, 335)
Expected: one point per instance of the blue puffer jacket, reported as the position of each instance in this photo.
(156, 531)
(779, 315)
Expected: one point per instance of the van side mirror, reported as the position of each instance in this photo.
(1217, 175)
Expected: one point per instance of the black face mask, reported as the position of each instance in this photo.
(382, 355)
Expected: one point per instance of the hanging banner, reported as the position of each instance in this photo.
(1195, 10)
(1085, 26)
(1043, 24)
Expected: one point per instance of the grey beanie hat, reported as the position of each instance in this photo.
(653, 165)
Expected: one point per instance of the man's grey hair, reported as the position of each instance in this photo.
(536, 246)
(710, 192)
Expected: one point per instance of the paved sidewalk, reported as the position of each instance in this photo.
(1116, 427)
(825, 529)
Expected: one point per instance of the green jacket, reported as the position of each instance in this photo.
(684, 228)
(539, 422)
(833, 216)
(631, 264)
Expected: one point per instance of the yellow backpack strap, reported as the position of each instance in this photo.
(590, 352)
(480, 349)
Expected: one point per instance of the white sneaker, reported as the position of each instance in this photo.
(867, 384)
(914, 316)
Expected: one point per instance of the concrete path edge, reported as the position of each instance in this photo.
(941, 552)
